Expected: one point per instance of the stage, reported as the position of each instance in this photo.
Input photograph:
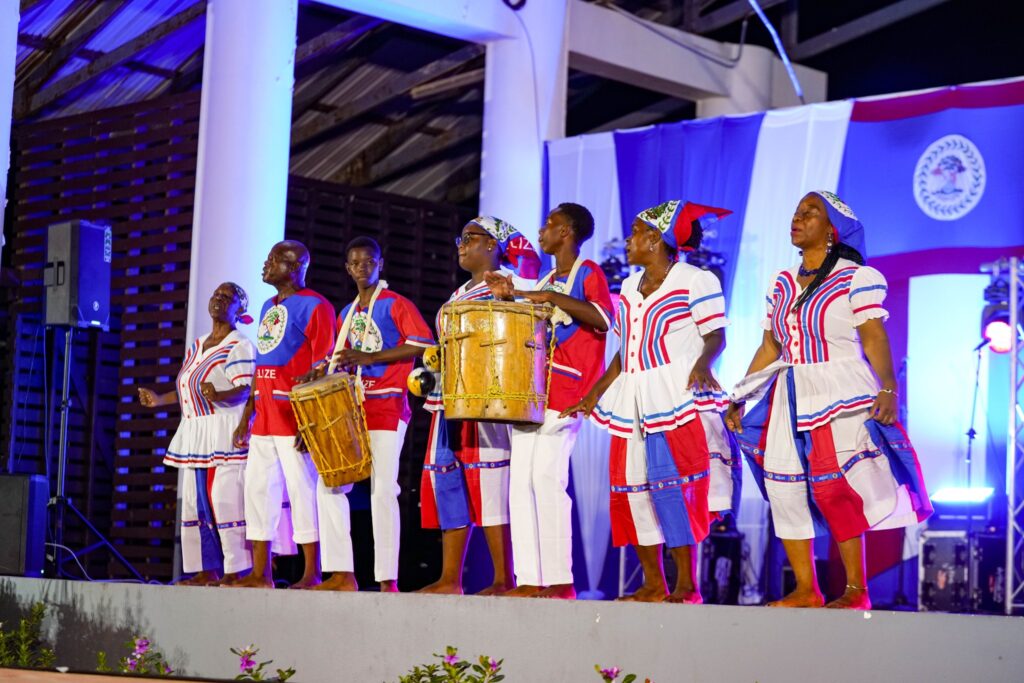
(370, 637)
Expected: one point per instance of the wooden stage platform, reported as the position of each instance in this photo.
(370, 637)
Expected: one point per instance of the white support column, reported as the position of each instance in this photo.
(9, 18)
(244, 131)
(524, 105)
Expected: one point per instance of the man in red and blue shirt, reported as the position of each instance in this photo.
(539, 504)
(383, 334)
(296, 330)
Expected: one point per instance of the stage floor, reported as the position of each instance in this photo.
(370, 637)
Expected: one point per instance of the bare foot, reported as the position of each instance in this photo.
(200, 579)
(254, 580)
(562, 591)
(307, 582)
(442, 587)
(339, 581)
(390, 586)
(523, 592)
(646, 594)
(227, 579)
(499, 588)
(800, 598)
(685, 596)
(853, 598)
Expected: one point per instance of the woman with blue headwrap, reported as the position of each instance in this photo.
(824, 445)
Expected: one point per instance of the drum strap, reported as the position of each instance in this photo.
(560, 317)
(346, 325)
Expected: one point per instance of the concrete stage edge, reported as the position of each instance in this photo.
(370, 637)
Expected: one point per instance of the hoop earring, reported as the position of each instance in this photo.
(828, 245)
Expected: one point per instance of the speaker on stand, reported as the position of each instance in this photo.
(76, 278)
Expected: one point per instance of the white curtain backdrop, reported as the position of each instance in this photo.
(582, 170)
(798, 150)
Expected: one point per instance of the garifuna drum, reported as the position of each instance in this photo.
(332, 424)
(494, 360)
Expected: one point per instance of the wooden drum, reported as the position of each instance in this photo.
(333, 425)
(494, 361)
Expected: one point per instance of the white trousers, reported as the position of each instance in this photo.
(539, 504)
(274, 465)
(335, 517)
(229, 514)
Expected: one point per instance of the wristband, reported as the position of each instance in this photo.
(887, 391)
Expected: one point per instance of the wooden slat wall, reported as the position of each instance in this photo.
(133, 168)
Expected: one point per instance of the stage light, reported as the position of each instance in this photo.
(963, 495)
(995, 317)
(998, 334)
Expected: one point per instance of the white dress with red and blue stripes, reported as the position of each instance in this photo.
(204, 435)
(671, 462)
(820, 463)
(661, 339)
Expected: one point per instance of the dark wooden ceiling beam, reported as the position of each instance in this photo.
(411, 155)
(335, 39)
(76, 39)
(114, 58)
(357, 171)
(384, 93)
(722, 17)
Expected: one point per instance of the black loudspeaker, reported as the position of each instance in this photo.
(22, 524)
(77, 274)
(721, 561)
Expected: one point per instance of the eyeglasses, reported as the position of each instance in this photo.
(468, 238)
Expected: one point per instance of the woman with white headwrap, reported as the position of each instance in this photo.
(212, 388)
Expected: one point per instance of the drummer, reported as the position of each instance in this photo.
(470, 487)
(383, 333)
(539, 505)
(296, 328)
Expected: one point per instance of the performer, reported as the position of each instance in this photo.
(661, 402)
(539, 505)
(296, 330)
(470, 487)
(825, 445)
(212, 387)
(383, 333)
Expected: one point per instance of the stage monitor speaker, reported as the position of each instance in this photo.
(22, 524)
(77, 274)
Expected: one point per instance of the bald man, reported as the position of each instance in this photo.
(297, 329)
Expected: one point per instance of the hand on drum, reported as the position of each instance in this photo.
(318, 371)
(701, 378)
(734, 417)
(501, 285)
(348, 358)
(543, 296)
(884, 408)
(585, 406)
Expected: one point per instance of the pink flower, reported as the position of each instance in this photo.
(451, 658)
(494, 665)
(132, 664)
(246, 663)
(611, 673)
(141, 646)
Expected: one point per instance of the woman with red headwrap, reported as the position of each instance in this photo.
(660, 400)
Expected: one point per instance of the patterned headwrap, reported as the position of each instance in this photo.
(243, 303)
(516, 251)
(848, 228)
(674, 220)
